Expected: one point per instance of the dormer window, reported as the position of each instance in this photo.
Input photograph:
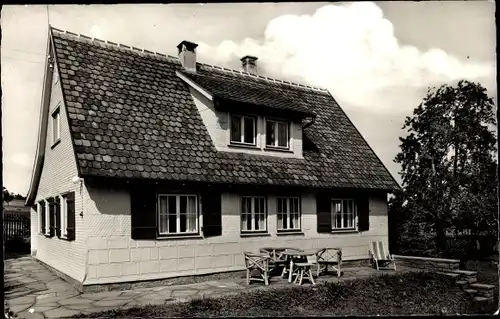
(277, 134)
(243, 129)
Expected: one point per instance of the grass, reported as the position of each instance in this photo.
(401, 294)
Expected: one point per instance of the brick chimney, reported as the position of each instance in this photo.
(187, 55)
(249, 64)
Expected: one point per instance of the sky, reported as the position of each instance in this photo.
(376, 58)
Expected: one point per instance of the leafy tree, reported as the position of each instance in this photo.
(448, 165)
(7, 196)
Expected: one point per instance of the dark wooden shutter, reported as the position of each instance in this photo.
(42, 216)
(143, 205)
(70, 216)
(363, 213)
(57, 212)
(323, 206)
(51, 217)
(212, 213)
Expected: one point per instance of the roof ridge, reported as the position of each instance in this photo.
(133, 49)
(263, 77)
(114, 45)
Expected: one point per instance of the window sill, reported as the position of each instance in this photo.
(256, 234)
(344, 231)
(178, 237)
(55, 143)
(248, 146)
(277, 149)
(289, 233)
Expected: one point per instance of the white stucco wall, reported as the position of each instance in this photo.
(59, 168)
(217, 124)
(114, 257)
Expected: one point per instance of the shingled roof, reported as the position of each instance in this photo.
(131, 116)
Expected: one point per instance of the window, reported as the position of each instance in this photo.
(63, 211)
(343, 214)
(277, 134)
(288, 213)
(178, 214)
(47, 217)
(253, 214)
(243, 129)
(56, 126)
(41, 216)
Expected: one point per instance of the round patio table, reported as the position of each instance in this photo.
(295, 255)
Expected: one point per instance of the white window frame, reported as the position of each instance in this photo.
(288, 214)
(276, 138)
(39, 212)
(252, 215)
(178, 214)
(63, 211)
(56, 125)
(354, 214)
(242, 126)
(47, 217)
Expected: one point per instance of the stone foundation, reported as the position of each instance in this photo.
(436, 264)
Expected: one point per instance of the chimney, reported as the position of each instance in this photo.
(249, 64)
(187, 55)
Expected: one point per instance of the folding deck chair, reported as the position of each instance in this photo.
(380, 256)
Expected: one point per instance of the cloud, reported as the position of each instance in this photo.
(22, 159)
(351, 50)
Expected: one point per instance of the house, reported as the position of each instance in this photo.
(151, 166)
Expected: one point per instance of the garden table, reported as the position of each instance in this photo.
(295, 256)
(277, 255)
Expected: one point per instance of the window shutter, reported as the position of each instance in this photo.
(57, 212)
(323, 206)
(144, 218)
(212, 213)
(70, 216)
(42, 216)
(51, 217)
(363, 213)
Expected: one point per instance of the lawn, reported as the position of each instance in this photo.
(401, 294)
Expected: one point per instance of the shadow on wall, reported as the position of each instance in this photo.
(108, 209)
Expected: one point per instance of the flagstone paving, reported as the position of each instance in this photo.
(33, 292)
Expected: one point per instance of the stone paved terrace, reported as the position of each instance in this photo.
(30, 286)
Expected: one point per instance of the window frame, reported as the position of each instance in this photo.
(354, 214)
(288, 214)
(39, 211)
(47, 217)
(242, 127)
(276, 138)
(56, 119)
(177, 211)
(252, 214)
(63, 211)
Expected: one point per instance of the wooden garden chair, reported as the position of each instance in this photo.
(257, 263)
(328, 257)
(277, 258)
(380, 256)
(304, 269)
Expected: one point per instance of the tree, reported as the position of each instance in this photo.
(448, 163)
(7, 196)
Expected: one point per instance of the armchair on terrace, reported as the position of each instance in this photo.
(380, 256)
(329, 257)
(257, 267)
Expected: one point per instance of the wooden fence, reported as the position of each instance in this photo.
(16, 233)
